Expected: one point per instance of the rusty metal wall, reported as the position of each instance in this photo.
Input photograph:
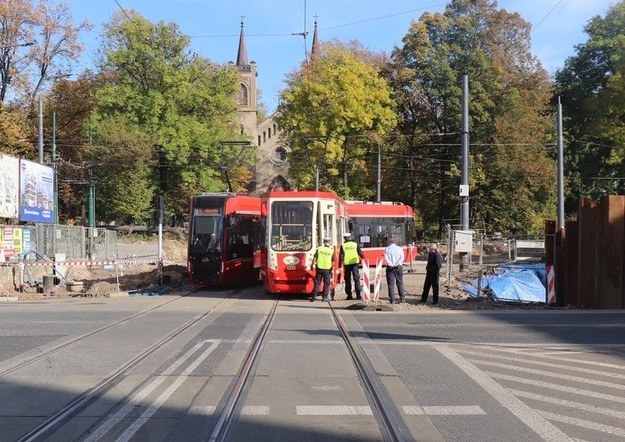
(590, 255)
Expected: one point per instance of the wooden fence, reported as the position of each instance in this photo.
(589, 255)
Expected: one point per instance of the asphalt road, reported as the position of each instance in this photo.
(159, 368)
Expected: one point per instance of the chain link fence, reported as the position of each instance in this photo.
(466, 260)
(46, 240)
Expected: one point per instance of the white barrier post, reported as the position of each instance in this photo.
(366, 281)
(377, 281)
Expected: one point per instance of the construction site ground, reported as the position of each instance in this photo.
(116, 281)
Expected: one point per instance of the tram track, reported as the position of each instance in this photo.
(233, 401)
(80, 402)
(386, 414)
(68, 344)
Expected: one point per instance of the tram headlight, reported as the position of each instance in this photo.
(273, 262)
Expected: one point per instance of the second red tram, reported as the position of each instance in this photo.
(224, 239)
(373, 222)
(295, 225)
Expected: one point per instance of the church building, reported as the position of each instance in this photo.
(271, 171)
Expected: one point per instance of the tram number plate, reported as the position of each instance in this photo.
(291, 267)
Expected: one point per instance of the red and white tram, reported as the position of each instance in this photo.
(295, 225)
(224, 239)
(373, 222)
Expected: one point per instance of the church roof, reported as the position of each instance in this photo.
(242, 52)
(315, 43)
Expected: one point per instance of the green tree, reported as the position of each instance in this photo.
(159, 118)
(335, 110)
(592, 86)
(510, 119)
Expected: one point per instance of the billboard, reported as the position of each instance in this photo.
(9, 186)
(36, 192)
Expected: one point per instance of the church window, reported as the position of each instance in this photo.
(243, 95)
(279, 155)
(269, 132)
(264, 137)
(259, 140)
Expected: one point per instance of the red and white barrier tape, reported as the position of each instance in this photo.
(152, 260)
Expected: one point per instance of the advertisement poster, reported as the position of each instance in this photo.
(36, 192)
(25, 241)
(18, 245)
(8, 242)
(9, 186)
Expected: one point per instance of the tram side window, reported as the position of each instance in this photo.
(374, 232)
(240, 242)
(291, 225)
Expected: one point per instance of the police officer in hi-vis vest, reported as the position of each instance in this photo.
(350, 257)
(323, 262)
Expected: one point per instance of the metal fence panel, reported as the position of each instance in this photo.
(75, 242)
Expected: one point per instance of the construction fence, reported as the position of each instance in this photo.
(588, 255)
(469, 254)
(44, 258)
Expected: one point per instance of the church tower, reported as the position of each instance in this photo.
(248, 94)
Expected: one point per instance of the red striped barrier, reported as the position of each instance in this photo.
(366, 281)
(551, 285)
(152, 260)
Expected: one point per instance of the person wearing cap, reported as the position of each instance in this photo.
(323, 262)
(350, 256)
(394, 257)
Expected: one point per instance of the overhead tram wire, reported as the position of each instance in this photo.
(128, 16)
(382, 17)
(547, 15)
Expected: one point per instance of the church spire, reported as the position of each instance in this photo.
(242, 52)
(314, 52)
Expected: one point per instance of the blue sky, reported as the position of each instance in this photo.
(380, 25)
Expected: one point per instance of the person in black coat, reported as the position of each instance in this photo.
(432, 270)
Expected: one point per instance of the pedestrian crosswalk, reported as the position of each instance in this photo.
(579, 390)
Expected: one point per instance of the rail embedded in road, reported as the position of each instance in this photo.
(387, 416)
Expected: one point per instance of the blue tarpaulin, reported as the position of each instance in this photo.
(516, 282)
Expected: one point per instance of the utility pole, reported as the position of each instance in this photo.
(40, 131)
(316, 177)
(54, 165)
(464, 177)
(91, 202)
(161, 217)
(379, 192)
(560, 145)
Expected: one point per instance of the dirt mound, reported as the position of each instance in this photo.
(174, 250)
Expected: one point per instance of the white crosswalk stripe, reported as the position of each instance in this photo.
(615, 431)
(557, 366)
(569, 404)
(551, 374)
(568, 388)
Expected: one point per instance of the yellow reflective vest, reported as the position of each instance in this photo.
(350, 253)
(324, 257)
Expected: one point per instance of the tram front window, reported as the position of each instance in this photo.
(291, 225)
(206, 234)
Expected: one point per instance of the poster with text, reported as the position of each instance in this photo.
(36, 192)
(8, 242)
(9, 186)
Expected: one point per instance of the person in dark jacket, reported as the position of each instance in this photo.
(432, 270)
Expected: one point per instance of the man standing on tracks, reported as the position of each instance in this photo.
(394, 257)
(350, 257)
(323, 262)
(432, 270)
